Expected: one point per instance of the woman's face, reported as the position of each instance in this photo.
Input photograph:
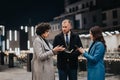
(45, 34)
(91, 36)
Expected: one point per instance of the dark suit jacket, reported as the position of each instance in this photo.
(64, 58)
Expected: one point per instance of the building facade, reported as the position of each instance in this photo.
(83, 13)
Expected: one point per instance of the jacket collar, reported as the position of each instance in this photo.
(45, 45)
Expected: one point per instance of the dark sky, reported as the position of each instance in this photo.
(14, 13)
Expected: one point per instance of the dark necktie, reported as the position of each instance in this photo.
(67, 40)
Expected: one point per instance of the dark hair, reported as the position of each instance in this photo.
(42, 27)
(97, 34)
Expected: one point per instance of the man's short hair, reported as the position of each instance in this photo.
(67, 20)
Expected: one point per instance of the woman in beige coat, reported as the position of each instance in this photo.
(42, 63)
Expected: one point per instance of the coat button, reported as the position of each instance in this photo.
(67, 60)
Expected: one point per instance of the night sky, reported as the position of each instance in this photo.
(15, 13)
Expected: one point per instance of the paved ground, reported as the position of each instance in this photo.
(22, 74)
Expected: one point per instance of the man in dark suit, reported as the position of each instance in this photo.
(67, 61)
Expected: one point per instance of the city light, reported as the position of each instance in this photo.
(10, 35)
(28, 44)
(26, 29)
(15, 37)
(17, 51)
(21, 27)
(32, 31)
(8, 45)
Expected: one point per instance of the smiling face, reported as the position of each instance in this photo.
(66, 26)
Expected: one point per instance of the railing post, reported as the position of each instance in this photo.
(29, 58)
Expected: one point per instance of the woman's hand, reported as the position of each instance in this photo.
(81, 50)
(58, 48)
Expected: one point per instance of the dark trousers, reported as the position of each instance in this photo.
(70, 73)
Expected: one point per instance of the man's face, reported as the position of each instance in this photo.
(66, 26)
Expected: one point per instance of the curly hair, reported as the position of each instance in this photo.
(42, 27)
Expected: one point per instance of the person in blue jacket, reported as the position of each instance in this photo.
(95, 55)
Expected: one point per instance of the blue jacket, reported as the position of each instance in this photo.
(95, 61)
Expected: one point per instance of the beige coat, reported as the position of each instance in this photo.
(42, 62)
